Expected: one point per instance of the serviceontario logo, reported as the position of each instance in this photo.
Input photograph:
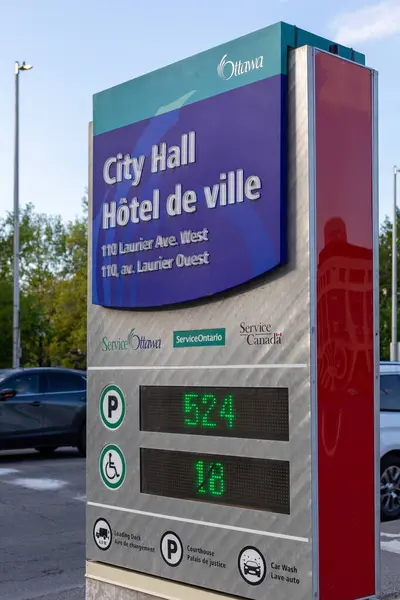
(228, 68)
(134, 341)
(199, 337)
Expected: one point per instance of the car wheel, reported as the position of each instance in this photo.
(47, 451)
(390, 487)
(82, 441)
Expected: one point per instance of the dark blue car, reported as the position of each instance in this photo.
(42, 408)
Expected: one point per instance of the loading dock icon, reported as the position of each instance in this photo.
(102, 534)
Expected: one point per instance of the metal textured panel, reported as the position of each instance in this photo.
(214, 536)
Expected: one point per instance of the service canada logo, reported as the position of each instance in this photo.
(228, 68)
(134, 341)
(259, 334)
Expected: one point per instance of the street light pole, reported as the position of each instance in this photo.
(393, 345)
(16, 308)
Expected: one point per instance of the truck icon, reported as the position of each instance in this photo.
(102, 533)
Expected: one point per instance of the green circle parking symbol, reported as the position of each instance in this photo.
(112, 466)
(112, 406)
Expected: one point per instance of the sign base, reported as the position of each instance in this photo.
(103, 581)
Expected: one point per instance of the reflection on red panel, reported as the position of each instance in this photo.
(345, 329)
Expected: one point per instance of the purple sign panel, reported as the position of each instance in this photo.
(191, 202)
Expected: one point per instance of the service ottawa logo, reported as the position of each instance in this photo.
(259, 334)
(133, 341)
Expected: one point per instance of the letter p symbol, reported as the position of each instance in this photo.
(112, 405)
(172, 548)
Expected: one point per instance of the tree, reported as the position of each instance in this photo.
(69, 302)
(42, 247)
(53, 267)
(41, 241)
(385, 284)
(31, 319)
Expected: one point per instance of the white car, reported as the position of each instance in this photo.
(390, 440)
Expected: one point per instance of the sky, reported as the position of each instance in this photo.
(81, 47)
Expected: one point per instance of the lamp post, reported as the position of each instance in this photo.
(394, 346)
(16, 310)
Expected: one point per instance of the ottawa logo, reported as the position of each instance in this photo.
(228, 69)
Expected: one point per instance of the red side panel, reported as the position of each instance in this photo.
(345, 342)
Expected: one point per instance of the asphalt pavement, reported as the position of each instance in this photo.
(390, 559)
(42, 529)
(42, 526)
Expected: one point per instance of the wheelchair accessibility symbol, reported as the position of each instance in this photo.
(112, 466)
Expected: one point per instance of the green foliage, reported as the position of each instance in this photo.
(385, 284)
(68, 347)
(31, 319)
(42, 247)
(53, 268)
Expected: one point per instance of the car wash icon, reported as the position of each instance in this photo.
(112, 466)
(252, 565)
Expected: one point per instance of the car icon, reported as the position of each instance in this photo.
(250, 567)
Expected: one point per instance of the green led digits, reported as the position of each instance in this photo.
(200, 477)
(217, 483)
(191, 408)
(209, 401)
(227, 411)
(210, 478)
(205, 411)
